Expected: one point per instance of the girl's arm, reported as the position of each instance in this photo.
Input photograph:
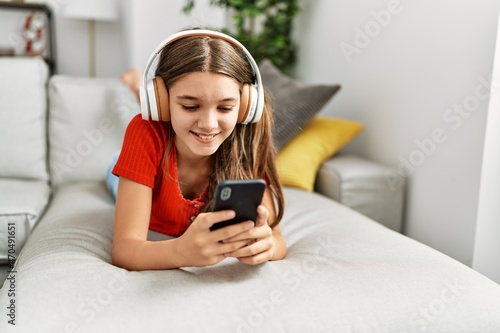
(198, 246)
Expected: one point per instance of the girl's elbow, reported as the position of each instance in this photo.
(119, 259)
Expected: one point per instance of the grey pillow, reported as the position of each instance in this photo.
(295, 103)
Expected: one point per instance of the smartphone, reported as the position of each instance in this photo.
(242, 196)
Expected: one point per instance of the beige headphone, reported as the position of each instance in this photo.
(154, 94)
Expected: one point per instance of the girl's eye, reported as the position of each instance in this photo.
(197, 107)
(226, 108)
(190, 107)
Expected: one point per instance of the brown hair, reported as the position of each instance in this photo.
(249, 151)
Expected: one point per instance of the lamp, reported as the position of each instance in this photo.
(91, 10)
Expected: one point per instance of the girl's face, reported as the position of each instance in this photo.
(203, 112)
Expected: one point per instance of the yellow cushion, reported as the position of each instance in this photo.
(299, 161)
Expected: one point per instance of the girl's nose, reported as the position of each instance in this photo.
(208, 120)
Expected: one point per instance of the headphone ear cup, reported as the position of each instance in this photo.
(162, 99)
(245, 102)
(254, 104)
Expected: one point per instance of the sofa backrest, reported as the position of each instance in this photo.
(23, 114)
(87, 120)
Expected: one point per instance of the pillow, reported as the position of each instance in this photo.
(300, 160)
(23, 118)
(295, 103)
(88, 117)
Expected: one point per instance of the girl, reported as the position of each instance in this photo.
(168, 169)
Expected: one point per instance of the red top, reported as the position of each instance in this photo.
(141, 161)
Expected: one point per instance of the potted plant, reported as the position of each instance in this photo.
(264, 27)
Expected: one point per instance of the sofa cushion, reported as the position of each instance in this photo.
(295, 103)
(87, 120)
(342, 273)
(23, 114)
(22, 203)
(364, 186)
(299, 161)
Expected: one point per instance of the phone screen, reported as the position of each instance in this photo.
(242, 196)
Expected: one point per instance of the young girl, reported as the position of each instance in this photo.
(168, 170)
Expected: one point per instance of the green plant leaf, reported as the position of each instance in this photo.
(263, 26)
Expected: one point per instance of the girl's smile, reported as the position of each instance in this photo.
(205, 138)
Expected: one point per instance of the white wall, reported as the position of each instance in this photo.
(150, 21)
(487, 244)
(73, 48)
(402, 82)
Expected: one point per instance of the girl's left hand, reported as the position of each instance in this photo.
(261, 242)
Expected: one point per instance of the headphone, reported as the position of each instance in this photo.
(154, 94)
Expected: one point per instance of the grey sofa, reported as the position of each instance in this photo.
(347, 267)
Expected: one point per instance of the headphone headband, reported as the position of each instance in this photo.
(148, 103)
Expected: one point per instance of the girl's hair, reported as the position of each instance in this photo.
(249, 151)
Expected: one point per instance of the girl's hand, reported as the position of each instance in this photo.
(260, 241)
(199, 246)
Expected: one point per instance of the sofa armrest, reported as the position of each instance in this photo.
(364, 186)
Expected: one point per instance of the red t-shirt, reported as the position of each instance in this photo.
(141, 161)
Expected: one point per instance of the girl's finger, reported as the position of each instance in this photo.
(263, 216)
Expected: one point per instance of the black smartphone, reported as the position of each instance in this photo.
(242, 196)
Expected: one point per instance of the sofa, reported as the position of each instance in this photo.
(348, 267)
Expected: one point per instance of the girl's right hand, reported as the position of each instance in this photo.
(199, 246)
